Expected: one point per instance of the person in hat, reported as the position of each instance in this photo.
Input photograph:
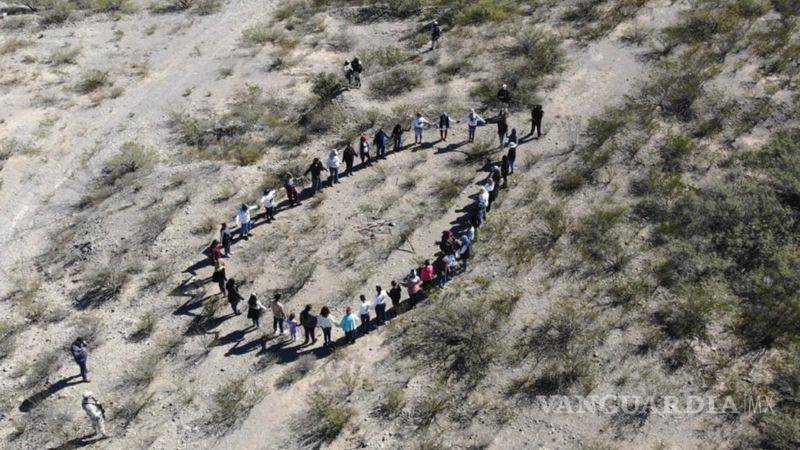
(96, 413)
(512, 156)
(435, 32)
(503, 95)
(333, 167)
(349, 324)
(80, 353)
(481, 203)
(244, 221)
(537, 113)
(397, 137)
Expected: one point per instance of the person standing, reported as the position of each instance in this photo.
(348, 72)
(505, 169)
(427, 274)
(357, 69)
(349, 324)
(293, 326)
(473, 120)
(397, 137)
(244, 221)
(503, 95)
(465, 252)
(380, 305)
(502, 128)
(291, 189)
(435, 32)
(363, 151)
(80, 353)
(512, 156)
(444, 126)
(333, 167)
(315, 169)
(418, 123)
(234, 297)
(349, 157)
(215, 252)
(380, 140)
(537, 113)
(413, 285)
(471, 230)
(326, 322)
(447, 243)
(363, 314)
(482, 202)
(254, 310)
(395, 292)
(309, 323)
(278, 314)
(226, 237)
(268, 199)
(442, 267)
(492, 188)
(219, 277)
(96, 413)
(512, 138)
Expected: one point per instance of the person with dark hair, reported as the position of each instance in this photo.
(505, 169)
(291, 189)
(268, 199)
(397, 137)
(502, 128)
(465, 252)
(413, 285)
(435, 32)
(219, 277)
(395, 292)
(441, 267)
(278, 314)
(503, 95)
(444, 126)
(234, 297)
(513, 138)
(326, 321)
(427, 274)
(363, 151)
(309, 323)
(447, 243)
(512, 156)
(473, 121)
(380, 140)
(472, 230)
(349, 156)
(380, 305)
(481, 204)
(244, 221)
(315, 169)
(254, 310)
(537, 113)
(363, 313)
(349, 324)
(348, 72)
(215, 252)
(418, 124)
(357, 69)
(226, 236)
(333, 167)
(80, 353)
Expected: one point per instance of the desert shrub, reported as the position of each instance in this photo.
(144, 327)
(685, 318)
(540, 48)
(326, 85)
(8, 335)
(327, 416)
(393, 403)
(12, 44)
(595, 237)
(603, 127)
(779, 427)
(232, 401)
(111, 5)
(571, 179)
(58, 13)
(678, 82)
(92, 80)
(42, 368)
(132, 158)
(128, 411)
(384, 57)
(102, 285)
(296, 371)
(482, 11)
(257, 35)
(675, 150)
(393, 82)
(206, 7)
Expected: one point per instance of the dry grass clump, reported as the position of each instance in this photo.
(38, 372)
(296, 371)
(92, 80)
(12, 44)
(232, 401)
(594, 19)
(394, 82)
(393, 403)
(144, 327)
(8, 337)
(132, 158)
(328, 412)
(102, 285)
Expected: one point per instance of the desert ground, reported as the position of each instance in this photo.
(645, 245)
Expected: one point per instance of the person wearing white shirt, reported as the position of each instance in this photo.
(243, 220)
(333, 167)
(326, 321)
(268, 199)
(380, 305)
(418, 123)
(94, 410)
(482, 203)
(363, 313)
(473, 120)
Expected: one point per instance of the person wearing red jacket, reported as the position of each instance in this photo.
(427, 274)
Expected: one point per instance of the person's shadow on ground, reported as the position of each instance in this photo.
(83, 441)
(34, 400)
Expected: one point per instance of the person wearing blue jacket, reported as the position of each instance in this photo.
(380, 140)
(349, 324)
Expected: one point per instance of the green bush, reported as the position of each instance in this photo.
(328, 415)
(675, 150)
(326, 85)
(482, 11)
(132, 158)
(92, 80)
(393, 403)
(394, 82)
(232, 401)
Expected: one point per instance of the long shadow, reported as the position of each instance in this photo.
(232, 337)
(83, 441)
(202, 325)
(529, 137)
(451, 147)
(34, 400)
(194, 302)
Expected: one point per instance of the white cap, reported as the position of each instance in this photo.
(504, 86)
(512, 145)
(88, 394)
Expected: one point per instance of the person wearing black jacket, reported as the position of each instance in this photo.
(219, 276)
(315, 169)
(503, 95)
(309, 323)
(349, 156)
(80, 353)
(505, 168)
(234, 297)
(512, 156)
(380, 140)
(502, 128)
(395, 292)
(397, 137)
(444, 125)
(226, 237)
(536, 120)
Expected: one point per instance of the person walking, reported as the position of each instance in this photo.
(226, 237)
(395, 292)
(482, 202)
(491, 188)
(355, 64)
(444, 126)
(234, 297)
(502, 128)
(413, 285)
(503, 95)
(244, 221)
(505, 169)
(347, 69)
(363, 314)
(465, 252)
(333, 167)
(418, 123)
(380, 140)
(473, 225)
(291, 189)
(473, 121)
(315, 169)
(326, 322)
(380, 305)
(80, 353)
(349, 156)
(363, 151)
(96, 413)
(397, 137)
(537, 113)
(349, 324)
(293, 326)
(278, 314)
(219, 277)
(254, 310)
(215, 252)
(309, 323)
(512, 156)
(435, 32)
(268, 200)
